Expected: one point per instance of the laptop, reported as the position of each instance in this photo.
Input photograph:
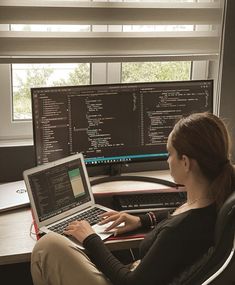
(13, 195)
(60, 192)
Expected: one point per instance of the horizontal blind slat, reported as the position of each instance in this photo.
(110, 13)
(108, 35)
(113, 58)
(23, 43)
(94, 46)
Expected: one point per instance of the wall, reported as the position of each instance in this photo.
(14, 160)
(227, 101)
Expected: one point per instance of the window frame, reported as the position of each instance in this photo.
(101, 72)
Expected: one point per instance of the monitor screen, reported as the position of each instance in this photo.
(113, 123)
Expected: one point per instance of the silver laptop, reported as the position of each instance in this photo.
(60, 192)
(13, 195)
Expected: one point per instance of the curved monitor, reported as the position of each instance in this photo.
(113, 123)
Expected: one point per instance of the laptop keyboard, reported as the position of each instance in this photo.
(91, 215)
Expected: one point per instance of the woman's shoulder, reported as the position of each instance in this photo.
(196, 216)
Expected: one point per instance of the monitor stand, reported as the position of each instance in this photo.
(115, 175)
(134, 178)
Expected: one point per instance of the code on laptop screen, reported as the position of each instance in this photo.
(59, 188)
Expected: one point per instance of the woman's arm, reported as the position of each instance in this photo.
(157, 265)
(121, 222)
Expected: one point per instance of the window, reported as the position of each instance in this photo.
(152, 71)
(101, 42)
(25, 76)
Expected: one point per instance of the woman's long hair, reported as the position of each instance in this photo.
(205, 138)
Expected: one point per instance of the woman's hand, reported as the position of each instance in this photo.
(79, 229)
(121, 222)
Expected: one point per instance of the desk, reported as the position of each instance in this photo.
(16, 243)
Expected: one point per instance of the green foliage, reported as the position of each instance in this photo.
(131, 72)
(39, 77)
(22, 97)
(155, 71)
(79, 76)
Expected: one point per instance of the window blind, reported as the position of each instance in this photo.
(109, 46)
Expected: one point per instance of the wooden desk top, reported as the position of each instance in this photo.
(16, 242)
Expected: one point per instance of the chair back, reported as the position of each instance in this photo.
(218, 257)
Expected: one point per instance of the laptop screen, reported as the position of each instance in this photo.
(59, 188)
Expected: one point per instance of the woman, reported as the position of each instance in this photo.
(199, 158)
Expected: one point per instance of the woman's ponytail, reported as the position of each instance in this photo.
(223, 185)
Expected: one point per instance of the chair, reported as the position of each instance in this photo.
(217, 266)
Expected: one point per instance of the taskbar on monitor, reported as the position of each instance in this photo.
(125, 158)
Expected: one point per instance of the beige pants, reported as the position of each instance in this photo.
(55, 260)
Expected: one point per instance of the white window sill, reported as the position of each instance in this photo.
(16, 142)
